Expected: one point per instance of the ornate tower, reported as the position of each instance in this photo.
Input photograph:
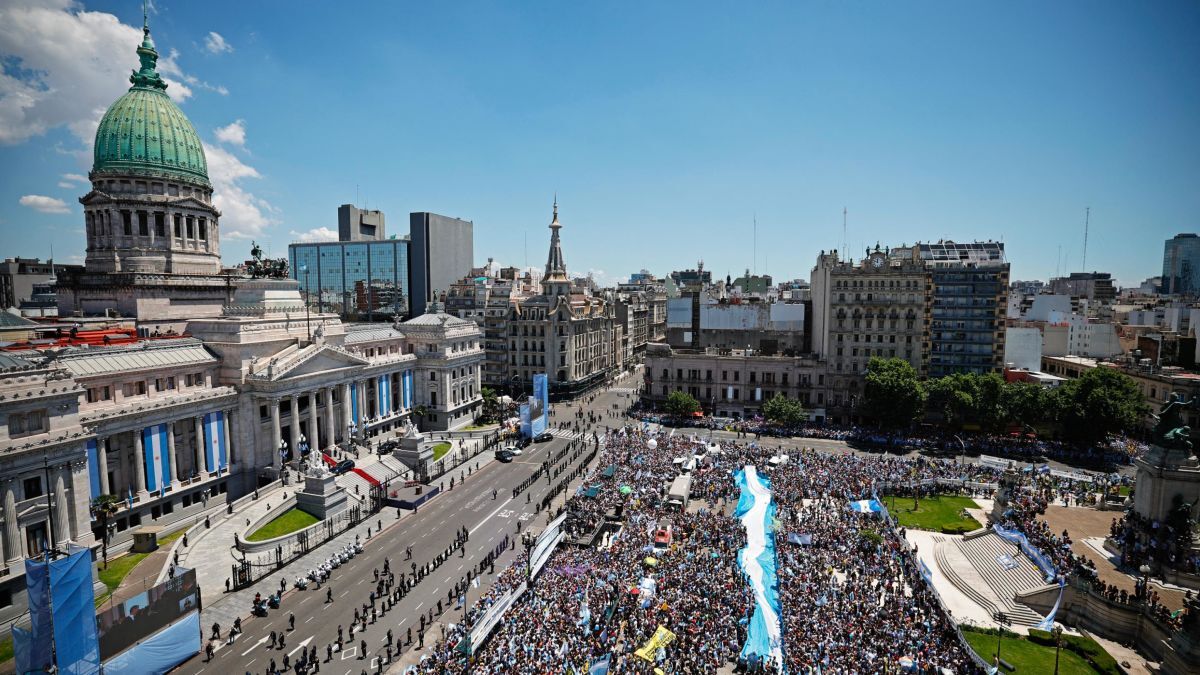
(555, 281)
(150, 208)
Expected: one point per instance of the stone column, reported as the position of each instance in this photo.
(102, 464)
(62, 526)
(330, 430)
(225, 430)
(347, 415)
(139, 463)
(200, 447)
(294, 427)
(276, 434)
(69, 496)
(171, 455)
(12, 533)
(314, 437)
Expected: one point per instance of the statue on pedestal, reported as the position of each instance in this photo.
(1170, 432)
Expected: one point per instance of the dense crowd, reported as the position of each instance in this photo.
(1155, 543)
(852, 596)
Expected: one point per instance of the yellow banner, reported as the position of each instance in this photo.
(661, 638)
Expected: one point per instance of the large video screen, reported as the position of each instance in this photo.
(538, 403)
(147, 612)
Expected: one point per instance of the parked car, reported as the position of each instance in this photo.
(662, 537)
(524, 442)
(343, 466)
(504, 456)
(514, 450)
(543, 437)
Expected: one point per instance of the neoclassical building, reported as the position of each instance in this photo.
(153, 239)
(569, 334)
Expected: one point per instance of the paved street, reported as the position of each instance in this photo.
(429, 531)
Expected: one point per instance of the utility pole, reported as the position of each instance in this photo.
(844, 231)
(755, 249)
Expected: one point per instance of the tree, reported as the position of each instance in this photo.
(1026, 403)
(490, 402)
(1101, 401)
(784, 411)
(681, 404)
(105, 506)
(952, 398)
(893, 396)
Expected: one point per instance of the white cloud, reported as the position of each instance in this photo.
(75, 178)
(44, 204)
(216, 44)
(234, 134)
(243, 215)
(65, 66)
(65, 185)
(315, 234)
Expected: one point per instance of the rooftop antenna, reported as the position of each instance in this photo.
(1058, 262)
(526, 249)
(755, 265)
(357, 196)
(1087, 217)
(844, 211)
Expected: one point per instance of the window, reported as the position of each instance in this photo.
(164, 383)
(133, 389)
(35, 539)
(190, 227)
(737, 374)
(32, 487)
(26, 423)
(433, 398)
(202, 229)
(127, 223)
(97, 394)
(178, 227)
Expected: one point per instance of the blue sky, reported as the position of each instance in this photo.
(665, 128)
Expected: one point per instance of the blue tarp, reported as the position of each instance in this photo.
(77, 650)
(162, 651)
(41, 629)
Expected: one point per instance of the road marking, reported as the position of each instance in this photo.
(302, 646)
(344, 594)
(489, 516)
(348, 652)
(261, 641)
(419, 606)
(309, 619)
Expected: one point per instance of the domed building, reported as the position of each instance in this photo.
(153, 239)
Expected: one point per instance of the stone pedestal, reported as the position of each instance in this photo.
(1008, 485)
(1161, 475)
(321, 497)
(415, 452)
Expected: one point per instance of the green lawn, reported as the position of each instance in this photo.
(290, 521)
(933, 513)
(118, 569)
(480, 427)
(440, 450)
(1029, 657)
(6, 649)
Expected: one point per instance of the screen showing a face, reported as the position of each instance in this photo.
(146, 613)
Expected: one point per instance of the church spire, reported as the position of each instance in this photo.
(147, 76)
(555, 266)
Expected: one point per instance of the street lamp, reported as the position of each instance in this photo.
(1057, 631)
(1002, 619)
(963, 446)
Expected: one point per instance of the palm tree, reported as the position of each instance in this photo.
(105, 506)
(420, 412)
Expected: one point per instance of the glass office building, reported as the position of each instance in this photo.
(362, 281)
(1181, 265)
(970, 295)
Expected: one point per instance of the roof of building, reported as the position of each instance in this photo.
(438, 320)
(13, 362)
(10, 320)
(371, 333)
(101, 360)
(145, 133)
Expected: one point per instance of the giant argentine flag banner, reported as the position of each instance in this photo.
(385, 395)
(354, 402)
(215, 453)
(158, 460)
(406, 389)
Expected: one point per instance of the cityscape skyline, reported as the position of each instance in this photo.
(797, 113)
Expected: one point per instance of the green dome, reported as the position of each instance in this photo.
(145, 133)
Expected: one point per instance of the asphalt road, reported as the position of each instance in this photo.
(429, 531)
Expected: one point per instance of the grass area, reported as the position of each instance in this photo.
(6, 649)
(1030, 657)
(289, 521)
(942, 513)
(170, 538)
(1123, 490)
(440, 450)
(480, 427)
(118, 569)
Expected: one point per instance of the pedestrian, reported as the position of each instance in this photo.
(362, 646)
(328, 594)
(208, 651)
(216, 631)
(291, 622)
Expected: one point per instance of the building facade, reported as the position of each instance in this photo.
(969, 305)
(1181, 265)
(442, 251)
(735, 383)
(355, 224)
(358, 280)
(568, 334)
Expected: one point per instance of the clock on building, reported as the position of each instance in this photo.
(877, 261)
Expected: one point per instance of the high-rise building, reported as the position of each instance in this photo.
(355, 224)
(969, 303)
(363, 280)
(442, 251)
(153, 240)
(1097, 286)
(1181, 265)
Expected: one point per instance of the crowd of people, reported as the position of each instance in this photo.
(852, 595)
(1158, 544)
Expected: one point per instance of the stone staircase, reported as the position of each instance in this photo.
(982, 552)
(951, 573)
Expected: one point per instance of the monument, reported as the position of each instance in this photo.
(1169, 475)
(415, 452)
(321, 497)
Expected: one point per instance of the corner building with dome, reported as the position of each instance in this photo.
(153, 234)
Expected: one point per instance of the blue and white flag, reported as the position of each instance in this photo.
(406, 388)
(600, 665)
(354, 402)
(158, 461)
(215, 453)
(93, 461)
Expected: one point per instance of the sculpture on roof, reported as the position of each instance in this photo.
(265, 268)
(1169, 430)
